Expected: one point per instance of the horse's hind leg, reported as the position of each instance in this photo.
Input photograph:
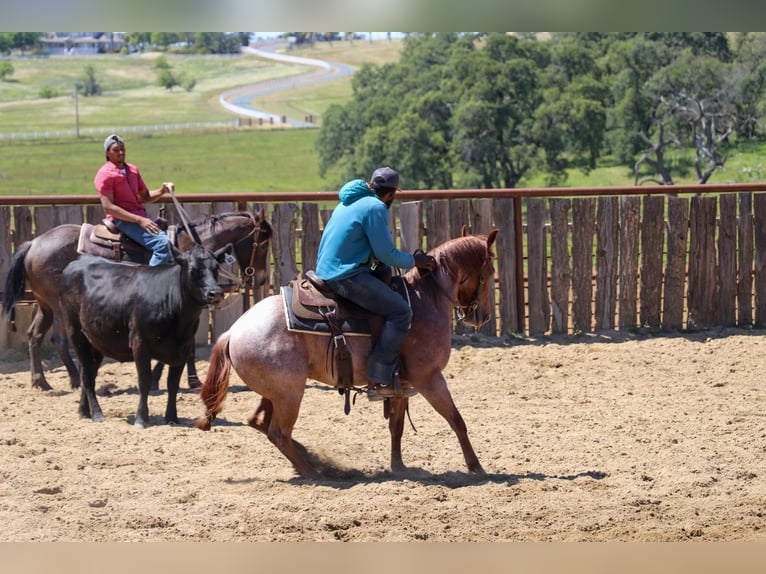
(278, 428)
(260, 418)
(41, 322)
(396, 428)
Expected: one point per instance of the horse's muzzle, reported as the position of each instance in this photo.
(476, 319)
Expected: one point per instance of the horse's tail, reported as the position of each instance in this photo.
(213, 391)
(14, 283)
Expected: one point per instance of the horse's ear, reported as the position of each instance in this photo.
(464, 231)
(491, 238)
(260, 215)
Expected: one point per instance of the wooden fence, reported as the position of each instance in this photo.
(568, 260)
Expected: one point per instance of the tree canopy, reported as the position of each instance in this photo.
(488, 110)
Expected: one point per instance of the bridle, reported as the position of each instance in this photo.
(463, 310)
(248, 272)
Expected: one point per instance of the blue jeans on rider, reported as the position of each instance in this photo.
(374, 295)
(157, 243)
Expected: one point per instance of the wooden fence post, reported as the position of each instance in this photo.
(607, 252)
(284, 224)
(561, 267)
(675, 268)
(727, 261)
(652, 245)
(630, 212)
(745, 260)
(505, 249)
(583, 220)
(537, 285)
(702, 273)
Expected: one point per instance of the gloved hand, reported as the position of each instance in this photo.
(424, 261)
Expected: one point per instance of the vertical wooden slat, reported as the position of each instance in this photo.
(311, 235)
(759, 230)
(481, 210)
(675, 268)
(458, 217)
(583, 221)
(630, 208)
(505, 249)
(224, 317)
(411, 226)
(539, 311)
(745, 260)
(437, 222)
(22, 225)
(606, 262)
(206, 321)
(727, 261)
(561, 271)
(284, 224)
(703, 275)
(652, 245)
(7, 338)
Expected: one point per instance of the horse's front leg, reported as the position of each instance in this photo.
(174, 381)
(438, 395)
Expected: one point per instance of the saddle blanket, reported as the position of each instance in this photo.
(300, 293)
(351, 326)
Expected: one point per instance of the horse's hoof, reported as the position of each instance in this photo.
(194, 383)
(98, 418)
(139, 425)
(42, 385)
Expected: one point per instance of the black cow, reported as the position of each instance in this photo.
(136, 313)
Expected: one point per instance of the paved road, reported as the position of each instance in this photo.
(240, 100)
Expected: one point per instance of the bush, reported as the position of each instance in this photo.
(48, 93)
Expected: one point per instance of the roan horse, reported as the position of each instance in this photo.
(275, 362)
(40, 262)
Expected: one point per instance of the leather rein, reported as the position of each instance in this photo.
(463, 310)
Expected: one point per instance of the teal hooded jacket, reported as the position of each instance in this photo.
(357, 232)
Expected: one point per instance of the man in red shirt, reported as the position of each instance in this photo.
(123, 193)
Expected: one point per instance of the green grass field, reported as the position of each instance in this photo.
(206, 160)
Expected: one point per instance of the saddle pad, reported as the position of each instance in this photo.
(86, 245)
(350, 325)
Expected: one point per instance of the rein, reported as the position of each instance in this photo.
(462, 311)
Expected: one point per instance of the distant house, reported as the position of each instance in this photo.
(82, 43)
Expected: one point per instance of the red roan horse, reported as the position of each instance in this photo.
(40, 262)
(275, 362)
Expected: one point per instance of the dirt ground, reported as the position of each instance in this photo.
(590, 438)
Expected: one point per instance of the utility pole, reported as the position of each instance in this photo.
(77, 109)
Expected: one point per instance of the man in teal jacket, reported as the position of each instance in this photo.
(357, 235)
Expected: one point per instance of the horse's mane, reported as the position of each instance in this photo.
(466, 253)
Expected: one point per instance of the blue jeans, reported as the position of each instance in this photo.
(157, 243)
(374, 295)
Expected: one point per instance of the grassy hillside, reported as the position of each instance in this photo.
(248, 159)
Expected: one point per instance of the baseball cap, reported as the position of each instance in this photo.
(112, 139)
(385, 177)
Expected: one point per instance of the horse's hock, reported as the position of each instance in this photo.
(568, 260)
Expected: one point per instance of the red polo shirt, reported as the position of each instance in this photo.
(124, 188)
